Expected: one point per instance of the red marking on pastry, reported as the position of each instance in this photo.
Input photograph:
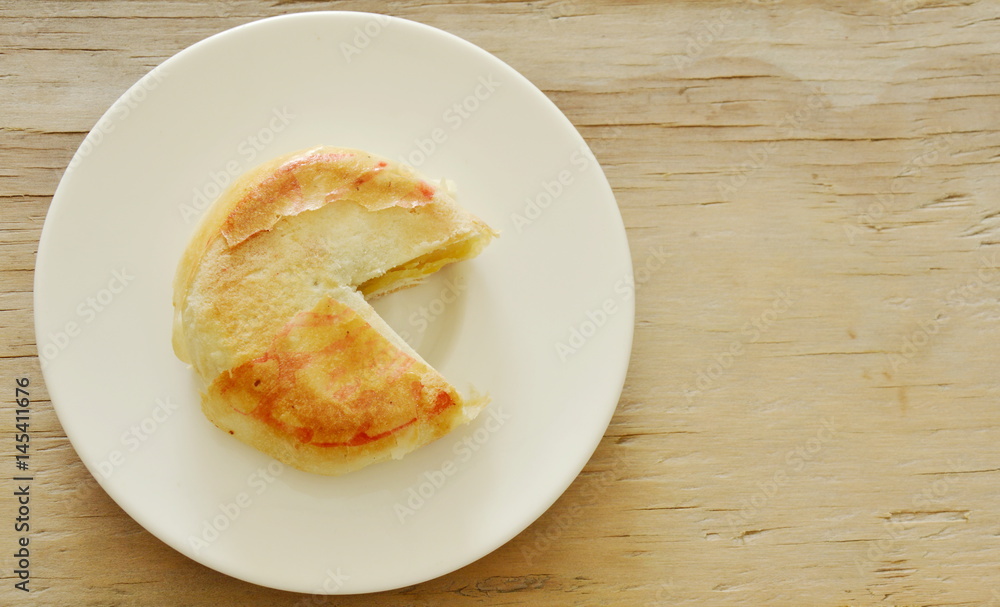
(254, 213)
(442, 402)
(419, 196)
(362, 438)
(368, 175)
(425, 189)
(297, 163)
(279, 394)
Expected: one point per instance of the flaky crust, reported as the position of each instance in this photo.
(268, 311)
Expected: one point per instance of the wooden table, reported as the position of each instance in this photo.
(811, 414)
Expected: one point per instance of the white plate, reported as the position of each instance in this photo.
(542, 320)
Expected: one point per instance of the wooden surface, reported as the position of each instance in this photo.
(811, 414)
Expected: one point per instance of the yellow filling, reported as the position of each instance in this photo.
(424, 265)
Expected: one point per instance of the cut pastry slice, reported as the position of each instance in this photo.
(271, 311)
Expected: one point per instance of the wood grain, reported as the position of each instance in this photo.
(812, 412)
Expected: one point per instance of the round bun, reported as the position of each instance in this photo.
(271, 311)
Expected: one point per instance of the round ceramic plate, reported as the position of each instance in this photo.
(542, 320)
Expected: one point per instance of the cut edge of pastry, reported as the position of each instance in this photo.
(416, 270)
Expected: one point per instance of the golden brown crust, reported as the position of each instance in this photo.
(296, 362)
(331, 383)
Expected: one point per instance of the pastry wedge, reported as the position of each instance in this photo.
(271, 308)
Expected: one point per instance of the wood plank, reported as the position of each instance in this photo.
(809, 189)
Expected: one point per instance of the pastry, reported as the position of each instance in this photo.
(271, 308)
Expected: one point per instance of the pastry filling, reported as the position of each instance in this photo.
(424, 265)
